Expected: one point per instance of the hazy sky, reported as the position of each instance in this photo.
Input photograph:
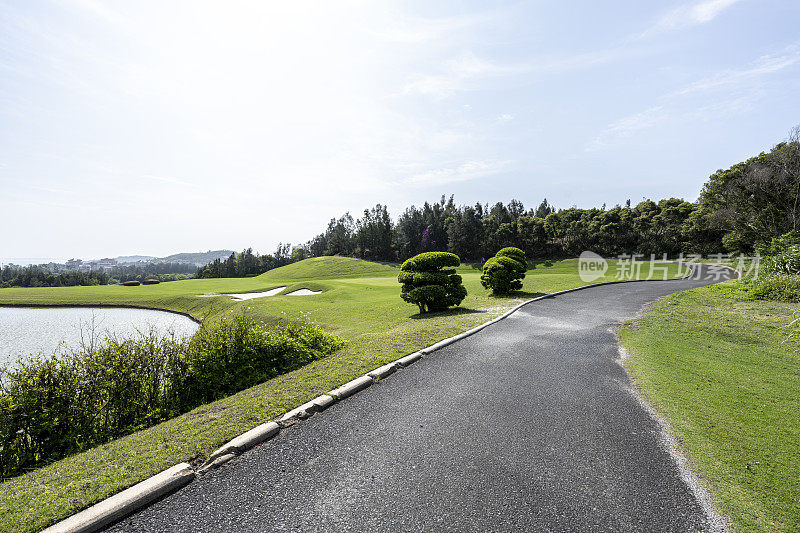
(157, 127)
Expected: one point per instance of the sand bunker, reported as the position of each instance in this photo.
(250, 295)
(303, 292)
(245, 295)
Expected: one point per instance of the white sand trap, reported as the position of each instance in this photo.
(245, 295)
(303, 292)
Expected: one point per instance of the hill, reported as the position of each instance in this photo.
(330, 267)
(198, 258)
(129, 259)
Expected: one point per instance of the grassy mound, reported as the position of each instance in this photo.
(330, 267)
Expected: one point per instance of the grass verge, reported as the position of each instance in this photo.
(363, 306)
(722, 371)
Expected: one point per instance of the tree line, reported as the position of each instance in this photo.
(476, 232)
(53, 275)
(739, 209)
(247, 263)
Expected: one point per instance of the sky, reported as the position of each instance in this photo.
(158, 127)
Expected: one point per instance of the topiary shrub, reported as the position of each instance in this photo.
(151, 282)
(132, 283)
(505, 271)
(428, 283)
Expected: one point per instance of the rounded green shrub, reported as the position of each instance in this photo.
(429, 284)
(505, 271)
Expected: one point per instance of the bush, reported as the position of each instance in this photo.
(132, 283)
(781, 256)
(505, 271)
(151, 282)
(428, 284)
(51, 408)
(780, 287)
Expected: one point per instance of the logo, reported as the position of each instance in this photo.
(591, 266)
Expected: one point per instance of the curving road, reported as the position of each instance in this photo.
(528, 425)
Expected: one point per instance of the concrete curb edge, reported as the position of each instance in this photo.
(123, 503)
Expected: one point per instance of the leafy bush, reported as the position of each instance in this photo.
(132, 283)
(151, 281)
(505, 271)
(51, 408)
(780, 287)
(781, 256)
(428, 284)
(778, 275)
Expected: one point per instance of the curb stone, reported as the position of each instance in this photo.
(351, 387)
(216, 463)
(323, 401)
(121, 504)
(245, 440)
(383, 371)
(301, 412)
(410, 358)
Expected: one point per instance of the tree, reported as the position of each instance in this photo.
(505, 271)
(756, 200)
(429, 284)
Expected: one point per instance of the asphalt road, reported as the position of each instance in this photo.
(528, 425)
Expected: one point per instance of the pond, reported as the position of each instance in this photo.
(27, 330)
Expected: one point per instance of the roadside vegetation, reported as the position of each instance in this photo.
(722, 364)
(51, 407)
(361, 306)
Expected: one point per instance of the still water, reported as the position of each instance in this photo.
(25, 330)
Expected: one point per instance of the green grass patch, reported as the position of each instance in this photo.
(331, 267)
(362, 305)
(724, 374)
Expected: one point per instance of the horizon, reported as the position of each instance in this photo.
(247, 125)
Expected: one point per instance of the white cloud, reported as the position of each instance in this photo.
(627, 126)
(690, 15)
(415, 30)
(765, 65)
(469, 170)
(733, 91)
(169, 179)
(458, 73)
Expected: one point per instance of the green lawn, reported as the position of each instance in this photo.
(360, 301)
(723, 373)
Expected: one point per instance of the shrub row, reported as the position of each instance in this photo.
(54, 407)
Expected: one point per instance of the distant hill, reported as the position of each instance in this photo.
(198, 258)
(135, 258)
(331, 267)
(195, 258)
